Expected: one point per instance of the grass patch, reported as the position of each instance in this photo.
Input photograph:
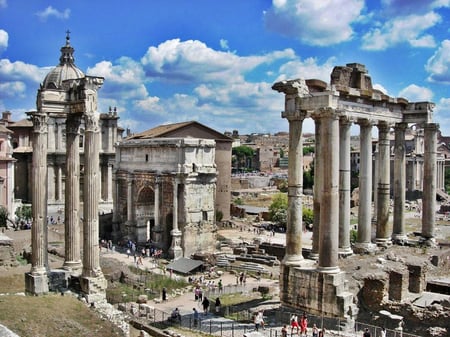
(52, 316)
(13, 283)
(142, 282)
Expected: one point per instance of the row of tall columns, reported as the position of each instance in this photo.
(332, 188)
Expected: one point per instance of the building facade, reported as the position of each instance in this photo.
(167, 182)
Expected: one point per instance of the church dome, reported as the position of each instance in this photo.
(65, 70)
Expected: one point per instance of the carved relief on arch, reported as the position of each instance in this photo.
(145, 195)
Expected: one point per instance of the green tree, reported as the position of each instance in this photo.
(241, 154)
(24, 212)
(278, 211)
(3, 216)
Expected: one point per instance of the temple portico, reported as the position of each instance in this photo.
(348, 99)
(67, 93)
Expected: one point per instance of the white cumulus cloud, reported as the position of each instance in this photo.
(314, 22)
(415, 93)
(3, 40)
(438, 66)
(52, 12)
(193, 61)
(405, 29)
(307, 69)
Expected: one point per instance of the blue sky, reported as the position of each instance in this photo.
(215, 61)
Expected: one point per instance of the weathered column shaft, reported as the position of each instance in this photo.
(429, 181)
(295, 190)
(175, 204)
(72, 259)
(344, 187)
(39, 236)
(383, 233)
(156, 213)
(329, 216)
(91, 260)
(130, 200)
(175, 249)
(318, 171)
(399, 183)
(365, 184)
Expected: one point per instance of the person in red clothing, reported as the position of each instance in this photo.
(304, 325)
(294, 323)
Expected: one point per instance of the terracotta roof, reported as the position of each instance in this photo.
(22, 123)
(5, 129)
(167, 130)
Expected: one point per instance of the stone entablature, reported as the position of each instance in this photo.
(185, 155)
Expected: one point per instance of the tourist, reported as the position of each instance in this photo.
(294, 323)
(205, 304)
(304, 325)
(322, 332)
(217, 305)
(195, 316)
(175, 316)
(383, 332)
(315, 331)
(164, 294)
(284, 331)
(220, 285)
(259, 321)
(366, 333)
(196, 292)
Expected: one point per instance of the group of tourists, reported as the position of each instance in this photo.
(301, 327)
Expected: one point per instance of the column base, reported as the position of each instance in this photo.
(175, 253)
(399, 239)
(429, 242)
(313, 256)
(293, 260)
(344, 252)
(36, 284)
(383, 242)
(74, 267)
(364, 248)
(93, 288)
(328, 270)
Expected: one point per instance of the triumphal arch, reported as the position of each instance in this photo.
(66, 92)
(319, 287)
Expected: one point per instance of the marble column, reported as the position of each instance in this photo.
(175, 247)
(344, 187)
(329, 215)
(294, 228)
(93, 283)
(429, 184)
(109, 186)
(156, 212)
(72, 260)
(116, 234)
(384, 230)
(129, 222)
(36, 282)
(398, 234)
(318, 162)
(363, 243)
(58, 182)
